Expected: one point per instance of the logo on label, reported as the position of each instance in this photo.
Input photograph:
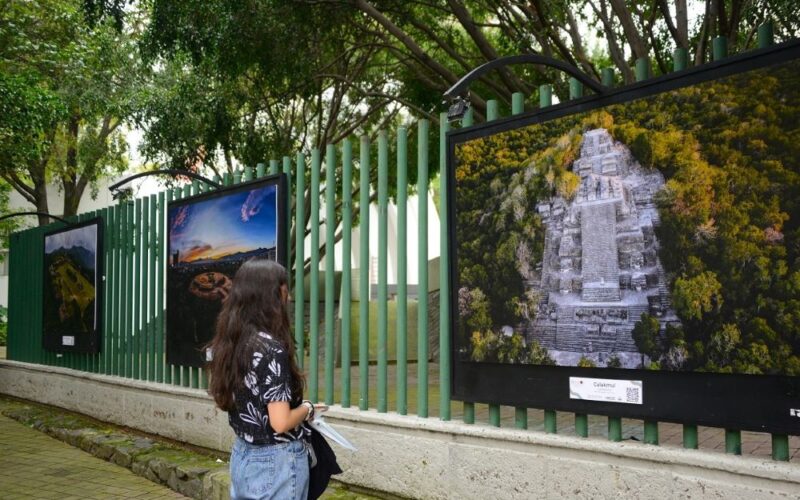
(794, 412)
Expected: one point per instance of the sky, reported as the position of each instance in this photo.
(85, 237)
(237, 222)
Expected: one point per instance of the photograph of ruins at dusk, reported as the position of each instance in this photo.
(209, 239)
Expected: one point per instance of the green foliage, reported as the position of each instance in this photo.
(3, 326)
(585, 362)
(614, 362)
(489, 346)
(694, 297)
(645, 335)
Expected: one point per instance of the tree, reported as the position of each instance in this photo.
(645, 335)
(70, 87)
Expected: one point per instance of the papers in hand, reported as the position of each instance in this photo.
(320, 425)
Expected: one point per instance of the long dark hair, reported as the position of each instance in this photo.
(255, 304)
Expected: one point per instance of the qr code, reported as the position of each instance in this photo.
(632, 394)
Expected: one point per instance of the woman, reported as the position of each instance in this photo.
(254, 377)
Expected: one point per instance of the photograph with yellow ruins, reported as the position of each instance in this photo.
(70, 286)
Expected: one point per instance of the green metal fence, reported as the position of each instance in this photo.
(133, 294)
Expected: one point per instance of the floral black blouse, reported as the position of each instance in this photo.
(267, 381)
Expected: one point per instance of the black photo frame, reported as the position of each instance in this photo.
(191, 315)
(67, 271)
(766, 403)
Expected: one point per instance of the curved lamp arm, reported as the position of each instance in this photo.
(461, 85)
(170, 171)
(17, 214)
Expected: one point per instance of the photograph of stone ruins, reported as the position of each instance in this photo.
(600, 271)
(662, 233)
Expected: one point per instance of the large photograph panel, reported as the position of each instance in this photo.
(70, 309)
(209, 238)
(636, 236)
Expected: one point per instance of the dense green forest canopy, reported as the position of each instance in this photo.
(730, 220)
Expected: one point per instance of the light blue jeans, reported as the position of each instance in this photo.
(278, 471)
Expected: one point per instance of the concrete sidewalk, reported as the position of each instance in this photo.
(34, 465)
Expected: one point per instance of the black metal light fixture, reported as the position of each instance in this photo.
(118, 193)
(18, 214)
(458, 96)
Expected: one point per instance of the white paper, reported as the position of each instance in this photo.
(320, 425)
(68, 340)
(606, 390)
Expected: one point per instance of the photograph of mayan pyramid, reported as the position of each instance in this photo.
(662, 233)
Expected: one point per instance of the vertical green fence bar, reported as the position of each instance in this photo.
(402, 278)
(690, 436)
(179, 373)
(780, 447)
(136, 299)
(116, 284)
(582, 424)
(299, 259)
(575, 88)
(273, 167)
(608, 77)
(733, 442)
(123, 290)
(260, 169)
(37, 271)
(520, 413)
(642, 69)
(363, 275)
(147, 263)
(546, 99)
(469, 407)
(189, 375)
(287, 169)
(161, 261)
(345, 298)
(444, 273)
(152, 289)
(12, 350)
(108, 223)
(164, 200)
(130, 231)
(765, 35)
(650, 432)
(719, 48)
(680, 59)
(491, 115)
(422, 260)
(313, 282)
(330, 234)
(195, 373)
(383, 306)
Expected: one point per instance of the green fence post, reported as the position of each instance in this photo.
(468, 407)
(363, 275)
(780, 447)
(607, 77)
(733, 442)
(287, 170)
(444, 273)
(614, 429)
(299, 259)
(545, 95)
(765, 35)
(260, 169)
(345, 299)
(154, 316)
(330, 235)
(520, 412)
(164, 199)
(383, 312)
(402, 280)
(116, 284)
(650, 432)
(642, 69)
(720, 48)
(545, 100)
(136, 300)
(422, 259)
(145, 311)
(273, 167)
(313, 282)
(575, 88)
(494, 410)
(582, 425)
(680, 59)
(690, 437)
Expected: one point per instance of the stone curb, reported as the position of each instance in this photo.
(187, 473)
